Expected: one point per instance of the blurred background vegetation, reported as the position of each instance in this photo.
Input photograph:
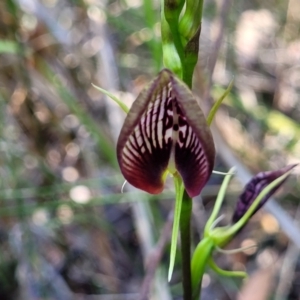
(66, 231)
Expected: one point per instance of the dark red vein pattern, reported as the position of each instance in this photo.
(190, 157)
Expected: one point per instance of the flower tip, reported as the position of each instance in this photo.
(154, 186)
(292, 166)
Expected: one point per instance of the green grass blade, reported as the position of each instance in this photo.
(179, 189)
(219, 201)
(217, 104)
(113, 97)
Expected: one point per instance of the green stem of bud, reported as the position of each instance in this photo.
(172, 9)
(172, 55)
(185, 235)
(191, 20)
(199, 261)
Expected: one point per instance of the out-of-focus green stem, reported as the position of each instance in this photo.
(191, 19)
(171, 58)
(177, 42)
(172, 9)
(185, 235)
(199, 261)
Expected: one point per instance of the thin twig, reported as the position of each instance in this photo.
(155, 257)
(216, 45)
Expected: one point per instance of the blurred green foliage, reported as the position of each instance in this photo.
(65, 229)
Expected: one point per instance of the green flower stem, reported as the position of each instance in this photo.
(191, 58)
(185, 235)
(172, 16)
(177, 42)
(191, 20)
(189, 29)
(199, 261)
(173, 25)
(171, 58)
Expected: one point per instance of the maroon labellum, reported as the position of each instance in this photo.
(165, 130)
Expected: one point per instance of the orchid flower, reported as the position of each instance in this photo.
(164, 132)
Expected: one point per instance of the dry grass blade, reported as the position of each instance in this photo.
(259, 284)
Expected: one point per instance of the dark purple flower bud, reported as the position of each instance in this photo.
(253, 189)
